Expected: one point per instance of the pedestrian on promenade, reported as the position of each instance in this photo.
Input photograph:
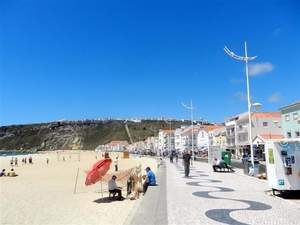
(171, 157)
(186, 162)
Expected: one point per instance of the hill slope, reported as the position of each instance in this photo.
(79, 135)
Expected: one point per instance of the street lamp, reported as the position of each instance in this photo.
(192, 120)
(276, 123)
(246, 59)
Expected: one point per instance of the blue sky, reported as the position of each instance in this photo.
(125, 59)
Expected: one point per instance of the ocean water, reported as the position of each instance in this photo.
(11, 154)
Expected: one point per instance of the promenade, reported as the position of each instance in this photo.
(208, 197)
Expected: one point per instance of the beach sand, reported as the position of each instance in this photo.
(55, 193)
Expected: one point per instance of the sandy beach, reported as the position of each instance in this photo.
(55, 193)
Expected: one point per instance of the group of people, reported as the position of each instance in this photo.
(149, 180)
(14, 161)
(172, 156)
(217, 164)
(187, 160)
(12, 173)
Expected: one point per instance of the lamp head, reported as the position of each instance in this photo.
(256, 105)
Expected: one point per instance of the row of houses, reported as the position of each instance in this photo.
(233, 136)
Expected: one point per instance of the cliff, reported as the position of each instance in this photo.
(79, 135)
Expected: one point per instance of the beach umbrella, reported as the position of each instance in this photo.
(98, 170)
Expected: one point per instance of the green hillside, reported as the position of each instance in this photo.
(83, 135)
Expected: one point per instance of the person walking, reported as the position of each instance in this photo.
(186, 162)
(116, 163)
(16, 161)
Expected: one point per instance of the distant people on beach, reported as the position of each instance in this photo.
(30, 161)
(2, 173)
(16, 161)
(25, 160)
(12, 161)
(116, 163)
(64, 159)
(47, 160)
(149, 179)
(186, 162)
(12, 173)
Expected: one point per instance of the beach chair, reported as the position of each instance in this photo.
(112, 195)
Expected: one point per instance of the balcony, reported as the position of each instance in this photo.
(230, 133)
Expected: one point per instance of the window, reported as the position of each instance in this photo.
(288, 134)
(295, 115)
(287, 117)
(265, 124)
(297, 134)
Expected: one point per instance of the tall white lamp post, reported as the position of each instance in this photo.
(192, 120)
(246, 59)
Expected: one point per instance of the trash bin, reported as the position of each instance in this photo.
(227, 157)
(256, 169)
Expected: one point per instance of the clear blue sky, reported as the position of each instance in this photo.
(126, 59)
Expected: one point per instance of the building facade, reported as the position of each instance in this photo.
(290, 116)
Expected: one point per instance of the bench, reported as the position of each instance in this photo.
(223, 167)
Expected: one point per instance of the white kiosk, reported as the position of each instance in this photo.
(283, 164)
(214, 152)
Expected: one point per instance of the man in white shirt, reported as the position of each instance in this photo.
(113, 187)
(116, 163)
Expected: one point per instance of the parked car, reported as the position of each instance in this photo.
(247, 158)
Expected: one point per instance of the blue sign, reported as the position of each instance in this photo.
(293, 159)
(281, 182)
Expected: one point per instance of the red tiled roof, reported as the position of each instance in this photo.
(169, 131)
(211, 127)
(265, 115)
(271, 136)
(118, 142)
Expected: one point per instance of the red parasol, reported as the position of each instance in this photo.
(98, 170)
